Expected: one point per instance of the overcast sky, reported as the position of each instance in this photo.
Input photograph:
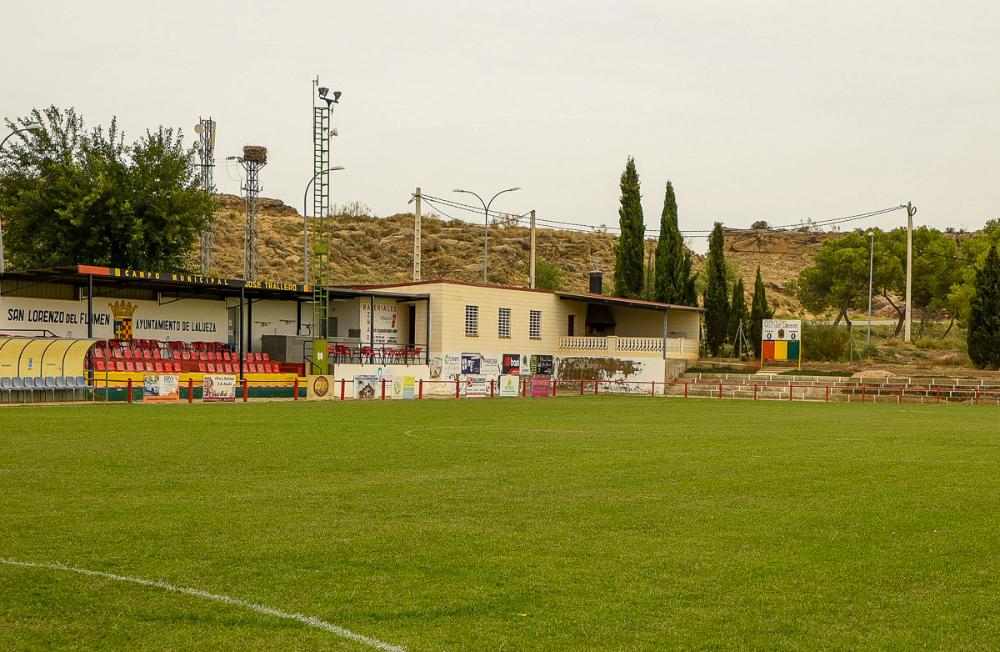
(775, 110)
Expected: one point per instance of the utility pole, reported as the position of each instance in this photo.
(416, 237)
(871, 272)
(911, 210)
(531, 256)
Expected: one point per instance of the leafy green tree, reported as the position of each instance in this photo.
(716, 292)
(738, 310)
(759, 311)
(838, 278)
(71, 196)
(984, 314)
(548, 276)
(972, 256)
(629, 259)
(673, 260)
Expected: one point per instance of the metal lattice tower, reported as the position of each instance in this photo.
(322, 106)
(254, 158)
(206, 150)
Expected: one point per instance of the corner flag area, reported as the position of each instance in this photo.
(603, 522)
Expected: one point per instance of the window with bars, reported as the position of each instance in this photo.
(471, 321)
(503, 322)
(535, 324)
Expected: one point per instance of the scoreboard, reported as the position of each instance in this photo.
(781, 339)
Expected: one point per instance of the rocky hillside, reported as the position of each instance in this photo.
(365, 249)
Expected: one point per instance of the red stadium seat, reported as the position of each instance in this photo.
(99, 364)
(211, 367)
(202, 368)
(158, 366)
(119, 365)
(267, 358)
(129, 366)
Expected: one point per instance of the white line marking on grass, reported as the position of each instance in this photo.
(310, 621)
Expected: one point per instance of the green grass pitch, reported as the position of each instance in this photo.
(574, 523)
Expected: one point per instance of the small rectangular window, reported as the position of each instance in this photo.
(535, 324)
(471, 321)
(503, 322)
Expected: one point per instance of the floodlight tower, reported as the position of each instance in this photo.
(322, 103)
(206, 151)
(253, 159)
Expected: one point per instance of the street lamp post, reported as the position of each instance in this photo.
(871, 268)
(31, 126)
(305, 221)
(486, 225)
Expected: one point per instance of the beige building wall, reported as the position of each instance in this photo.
(448, 303)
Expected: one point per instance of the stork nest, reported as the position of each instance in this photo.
(255, 154)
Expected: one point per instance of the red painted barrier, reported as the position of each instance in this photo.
(420, 389)
(246, 392)
(130, 389)
(343, 382)
(295, 389)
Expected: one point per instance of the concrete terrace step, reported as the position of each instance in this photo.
(840, 381)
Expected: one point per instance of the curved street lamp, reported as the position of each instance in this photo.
(305, 218)
(31, 126)
(486, 225)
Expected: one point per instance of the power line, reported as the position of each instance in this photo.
(692, 233)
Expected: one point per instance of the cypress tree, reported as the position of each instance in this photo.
(690, 289)
(668, 287)
(716, 292)
(629, 260)
(984, 314)
(674, 281)
(737, 311)
(759, 311)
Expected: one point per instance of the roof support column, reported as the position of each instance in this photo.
(242, 295)
(666, 332)
(90, 306)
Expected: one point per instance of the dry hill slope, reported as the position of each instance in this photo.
(366, 249)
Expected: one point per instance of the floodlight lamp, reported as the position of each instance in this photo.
(336, 96)
(513, 189)
(323, 90)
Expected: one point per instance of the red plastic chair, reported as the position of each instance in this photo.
(202, 368)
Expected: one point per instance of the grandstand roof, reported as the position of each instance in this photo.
(193, 285)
